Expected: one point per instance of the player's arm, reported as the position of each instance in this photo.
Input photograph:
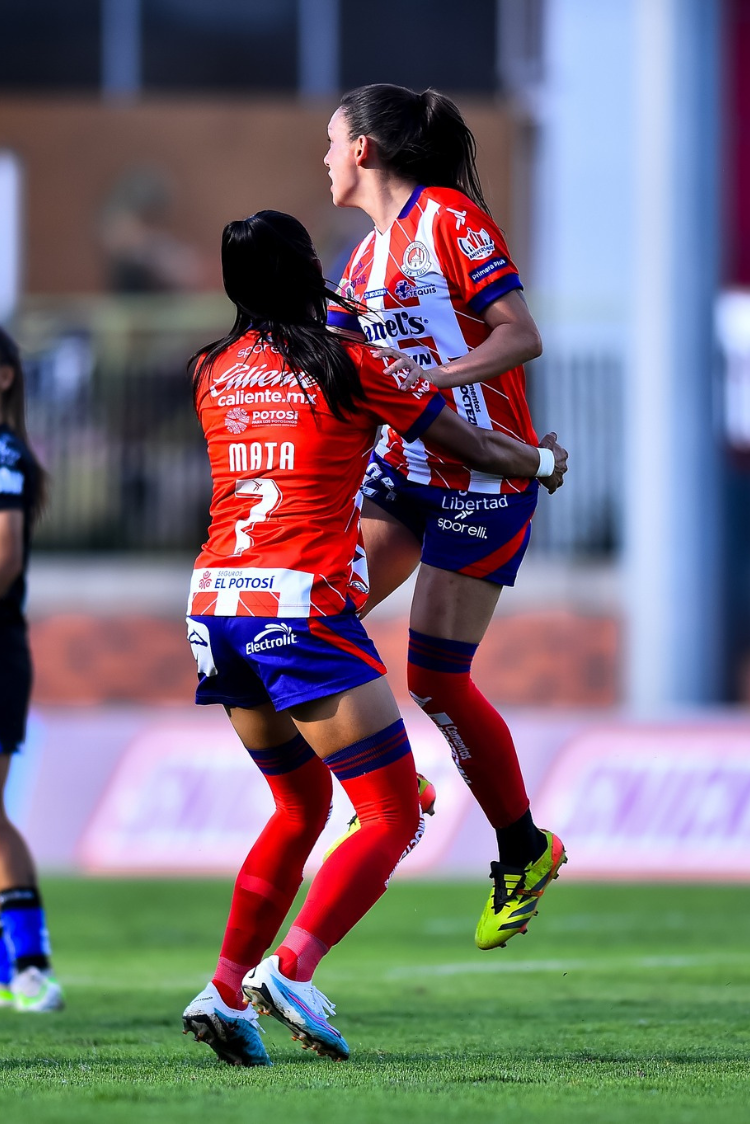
(422, 412)
(514, 339)
(11, 547)
(493, 452)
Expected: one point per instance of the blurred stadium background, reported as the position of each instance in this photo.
(614, 146)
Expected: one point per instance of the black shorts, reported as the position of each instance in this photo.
(15, 686)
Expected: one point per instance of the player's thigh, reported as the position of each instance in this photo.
(452, 605)
(393, 552)
(261, 727)
(336, 721)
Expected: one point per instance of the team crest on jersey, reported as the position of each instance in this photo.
(476, 245)
(416, 260)
(237, 420)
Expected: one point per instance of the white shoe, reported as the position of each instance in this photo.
(299, 1006)
(35, 990)
(233, 1035)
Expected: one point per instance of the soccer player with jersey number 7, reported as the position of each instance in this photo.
(439, 293)
(290, 413)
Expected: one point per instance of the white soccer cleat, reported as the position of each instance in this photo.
(299, 1006)
(233, 1035)
(36, 991)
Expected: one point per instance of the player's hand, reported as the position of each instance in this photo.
(553, 482)
(404, 367)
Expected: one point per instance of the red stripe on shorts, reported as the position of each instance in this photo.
(318, 628)
(498, 558)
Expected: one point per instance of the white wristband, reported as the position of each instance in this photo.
(546, 462)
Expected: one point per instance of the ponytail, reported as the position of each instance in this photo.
(422, 137)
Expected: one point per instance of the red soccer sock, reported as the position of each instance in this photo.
(439, 676)
(272, 872)
(379, 778)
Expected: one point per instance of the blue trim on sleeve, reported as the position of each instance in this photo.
(495, 291)
(434, 407)
(346, 320)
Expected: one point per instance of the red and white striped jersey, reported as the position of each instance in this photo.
(284, 539)
(425, 282)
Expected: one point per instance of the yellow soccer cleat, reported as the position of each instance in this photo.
(427, 794)
(516, 893)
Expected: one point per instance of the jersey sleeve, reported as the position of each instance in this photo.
(474, 256)
(409, 412)
(12, 476)
(339, 318)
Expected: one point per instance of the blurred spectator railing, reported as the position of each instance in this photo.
(732, 318)
(580, 396)
(110, 413)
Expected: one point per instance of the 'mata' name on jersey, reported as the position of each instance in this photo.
(284, 538)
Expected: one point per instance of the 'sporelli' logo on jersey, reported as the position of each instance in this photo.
(477, 245)
(272, 636)
(416, 260)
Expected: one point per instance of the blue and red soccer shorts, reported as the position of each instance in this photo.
(472, 533)
(248, 661)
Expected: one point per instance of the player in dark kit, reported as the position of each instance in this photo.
(26, 980)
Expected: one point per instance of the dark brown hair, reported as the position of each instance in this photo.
(420, 136)
(273, 277)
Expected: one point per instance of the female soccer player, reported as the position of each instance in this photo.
(290, 414)
(26, 980)
(444, 300)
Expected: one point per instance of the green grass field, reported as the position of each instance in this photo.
(623, 1003)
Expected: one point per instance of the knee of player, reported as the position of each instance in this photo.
(406, 817)
(436, 667)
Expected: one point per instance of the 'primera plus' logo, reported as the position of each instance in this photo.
(272, 636)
